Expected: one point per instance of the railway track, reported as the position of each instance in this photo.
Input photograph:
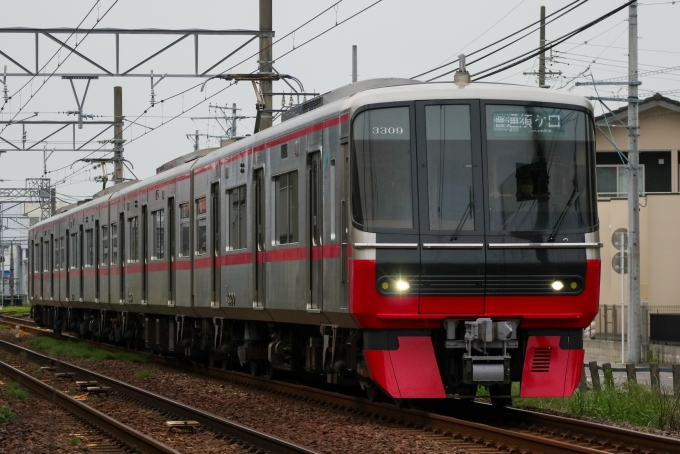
(130, 439)
(479, 424)
(248, 438)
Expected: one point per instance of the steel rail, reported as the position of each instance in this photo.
(126, 434)
(612, 436)
(245, 434)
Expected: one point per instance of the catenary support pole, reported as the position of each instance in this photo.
(634, 319)
(541, 56)
(354, 64)
(117, 135)
(265, 62)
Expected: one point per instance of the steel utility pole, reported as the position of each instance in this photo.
(634, 340)
(11, 274)
(118, 135)
(265, 62)
(354, 64)
(541, 56)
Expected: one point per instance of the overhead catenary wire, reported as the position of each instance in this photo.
(507, 37)
(529, 55)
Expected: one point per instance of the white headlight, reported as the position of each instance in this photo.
(557, 285)
(402, 286)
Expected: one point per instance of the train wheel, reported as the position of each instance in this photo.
(255, 367)
(211, 359)
(271, 372)
(500, 395)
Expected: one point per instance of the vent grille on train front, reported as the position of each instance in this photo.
(541, 360)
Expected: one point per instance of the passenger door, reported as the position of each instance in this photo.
(451, 211)
(259, 237)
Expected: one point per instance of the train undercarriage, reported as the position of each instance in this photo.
(465, 353)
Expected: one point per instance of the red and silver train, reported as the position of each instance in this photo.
(426, 238)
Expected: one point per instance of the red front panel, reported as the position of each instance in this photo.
(372, 310)
(550, 371)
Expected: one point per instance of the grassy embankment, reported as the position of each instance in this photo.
(74, 350)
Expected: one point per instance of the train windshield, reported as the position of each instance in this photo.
(538, 176)
(382, 187)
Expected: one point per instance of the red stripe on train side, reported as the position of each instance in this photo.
(242, 258)
(181, 265)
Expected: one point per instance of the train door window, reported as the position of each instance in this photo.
(449, 167)
(184, 234)
(237, 218)
(114, 243)
(133, 228)
(46, 262)
(201, 227)
(62, 246)
(158, 235)
(105, 245)
(56, 254)
(36, 258)
(286, 202)
(89, 247)
(73, 260)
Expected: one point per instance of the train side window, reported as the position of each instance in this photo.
(237, 218)
(184, 230)
(114, 243)
(105, 245)
(286, 211)
(74, 251)
(201, 227)
(158, 235)
(133, 228)
(89, 247)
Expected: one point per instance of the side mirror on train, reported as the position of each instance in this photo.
(533, 181)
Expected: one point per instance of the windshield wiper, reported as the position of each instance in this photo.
(574, 196)
(466, 214)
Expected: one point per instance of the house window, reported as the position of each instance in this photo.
(286, 214)
(184, 229)
(133, 228)
(237, 218)
(201, 227)
(114, 243)
(612, 180)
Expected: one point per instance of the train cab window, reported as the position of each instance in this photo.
(158, 235)
(382, 189)
(133, 228)
(286, 211)
(73, 260)
(105, 245)
(184, 234)
(539, 169)
(114, 243)
(449, 167)
(237, 218)
(89, 247)
(201, 227)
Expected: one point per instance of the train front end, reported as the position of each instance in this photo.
(475, 249)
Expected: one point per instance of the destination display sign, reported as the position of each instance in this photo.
(519, 122)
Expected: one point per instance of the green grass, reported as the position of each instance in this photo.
(15, 391)
(4, 327)
(74, 441)
(16, 310)
(6, 414)
(143, 373)
(629, 402)
(75, 350)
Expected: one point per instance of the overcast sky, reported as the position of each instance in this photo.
(396, 38)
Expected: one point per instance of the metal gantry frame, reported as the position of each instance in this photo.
(116, 33)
